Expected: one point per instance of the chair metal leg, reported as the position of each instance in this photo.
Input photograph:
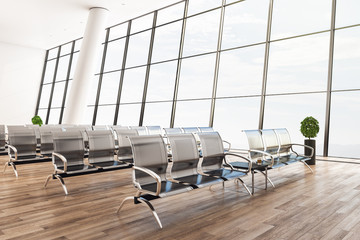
(142, 200)
(14, 168)
(308, 166)
(266, 177)
(252, 181)
(272, 184)
(47, 180)
(152, 209)
(62, 183)
(123, 201)
(6, 164)
(244, 185)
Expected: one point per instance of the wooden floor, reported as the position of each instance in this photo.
(324, 205)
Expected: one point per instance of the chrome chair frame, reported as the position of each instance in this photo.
(22, 147)
(141, 149)
(60, 173)
(214, 152)
(289, 145)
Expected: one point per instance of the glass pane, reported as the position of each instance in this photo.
(114, 55)
(201, 34)
(299, 64)
(197, 6)
(68, 91)
(197, 77)
(118, 31)
(170, 14)
(73, 64)
(234, 115)
(142, 23)
(167, 42)
(138, 49)
(54, 116)
(192, 113)
(245, 23)
(45, 96)
(109, 88)
(129, 114)
(291, 18)
(161, 81)
(133, 85)
(157, 114)
(346, 72)
(241, 71)
(49, 72)
(105, 115)
(344, 125)
(288, 112)
(53, 53)
(347, 13)
(58, 94)
(42, 114)
(63, 68)
(78, 45)
(93, 90)
(66, 49)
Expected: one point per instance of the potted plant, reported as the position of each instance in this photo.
(36, 120)
(310, 128)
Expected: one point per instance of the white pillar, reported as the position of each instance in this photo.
(85, 68)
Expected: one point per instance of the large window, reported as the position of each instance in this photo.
(231, 64)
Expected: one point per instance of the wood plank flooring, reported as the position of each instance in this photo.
(323, 205)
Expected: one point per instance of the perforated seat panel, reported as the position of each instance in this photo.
(226, 174)
(167, 188)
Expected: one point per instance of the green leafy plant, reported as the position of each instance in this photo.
(36, 120)
(309, 127)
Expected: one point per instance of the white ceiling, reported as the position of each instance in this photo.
(47, 23)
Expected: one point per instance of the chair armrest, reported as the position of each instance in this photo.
(62, 158)
(296, 144)
(12, 148)
(152, 174)
(264, 153)
(237, 155)
(229, 145)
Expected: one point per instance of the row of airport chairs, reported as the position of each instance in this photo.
(68, 153)
(28, 144)
(269, 149)
(154, 177)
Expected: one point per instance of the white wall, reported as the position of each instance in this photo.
(20, 78)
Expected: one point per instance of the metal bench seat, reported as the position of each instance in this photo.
(278, 143)
(111, 165)
(215, 157)
(124, 151)
(22, 147)
(198, 180)
(149, 172)
(76, 169)
(291, 158)
(270, 149)
(68, 157)
(168, 188)
(102, 150)
(185, 157)
(226, 174)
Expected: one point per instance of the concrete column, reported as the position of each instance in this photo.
(85, 68)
